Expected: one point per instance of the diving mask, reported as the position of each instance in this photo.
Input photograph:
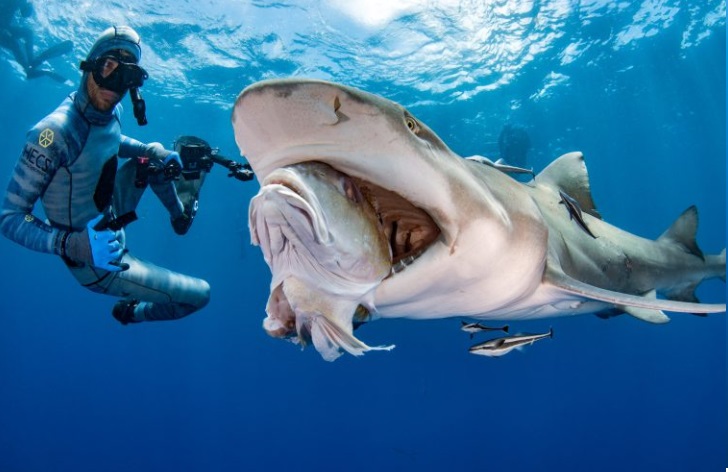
(111, 72)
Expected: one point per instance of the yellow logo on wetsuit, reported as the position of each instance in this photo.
(46, 137)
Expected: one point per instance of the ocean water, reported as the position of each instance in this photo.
(639, 87)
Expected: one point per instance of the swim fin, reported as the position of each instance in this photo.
(64, 47)
(34, 73)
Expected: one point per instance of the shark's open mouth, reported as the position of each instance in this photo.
(409, 229)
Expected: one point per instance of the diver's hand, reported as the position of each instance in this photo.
(99, 248)
(171, 160)
(157, 151)
(173, 156)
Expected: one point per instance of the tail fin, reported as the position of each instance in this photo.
(682, 232)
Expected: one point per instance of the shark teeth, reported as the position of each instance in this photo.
(402, 264)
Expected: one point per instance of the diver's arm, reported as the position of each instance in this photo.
(238, 170)
(33, 172)
(130, 147)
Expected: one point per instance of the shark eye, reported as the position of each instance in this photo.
(412, 124)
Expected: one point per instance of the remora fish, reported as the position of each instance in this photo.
(572, 206)
(500, 346)
(473, 328)
(465, 238)
(321, 239)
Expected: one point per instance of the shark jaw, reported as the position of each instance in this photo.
(408, 230)
(387, 151)
(279, 123)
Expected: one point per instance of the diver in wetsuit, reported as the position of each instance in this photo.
(18, 38)
(514, 144)
(70, 163)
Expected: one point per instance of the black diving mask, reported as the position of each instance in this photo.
(120, 75)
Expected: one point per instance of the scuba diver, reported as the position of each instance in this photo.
(19, 40)
(70, 163)
(514, 144)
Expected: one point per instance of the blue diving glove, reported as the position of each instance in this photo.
(173, 156)
(100, 248)
(171, 160)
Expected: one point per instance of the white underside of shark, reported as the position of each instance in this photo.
(502, 249)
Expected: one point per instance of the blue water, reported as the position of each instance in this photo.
(639, 87)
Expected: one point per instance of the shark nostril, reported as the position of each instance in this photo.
(337, 103)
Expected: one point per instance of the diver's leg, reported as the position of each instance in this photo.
(163, 294)
(188, 189)
(35, 72)
(180, 194)
(11, 40)
(126, 194)
(165, 190)
(59, 49)
(26, 34)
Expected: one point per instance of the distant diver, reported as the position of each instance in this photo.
(514, 144)
(18, 38)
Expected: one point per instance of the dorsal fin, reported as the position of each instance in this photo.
(568, 173)
(682, 232)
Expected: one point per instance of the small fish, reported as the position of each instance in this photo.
(575, 212)
(473, 328)
(500, 346)
(501, 165)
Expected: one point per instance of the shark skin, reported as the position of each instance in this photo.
(504, 249)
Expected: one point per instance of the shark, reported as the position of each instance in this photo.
(464, 237)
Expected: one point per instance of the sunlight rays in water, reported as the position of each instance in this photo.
(443, 51)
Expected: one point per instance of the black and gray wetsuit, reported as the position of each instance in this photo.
(70, 163)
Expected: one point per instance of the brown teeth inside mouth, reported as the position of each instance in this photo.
(409, 229)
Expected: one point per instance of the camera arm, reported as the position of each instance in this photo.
(242, 172)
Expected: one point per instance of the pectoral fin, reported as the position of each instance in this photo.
(623, 300)
(644, 314)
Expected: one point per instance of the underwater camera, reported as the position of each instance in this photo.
(196, 155)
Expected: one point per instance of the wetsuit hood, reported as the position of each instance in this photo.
(117, 37)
